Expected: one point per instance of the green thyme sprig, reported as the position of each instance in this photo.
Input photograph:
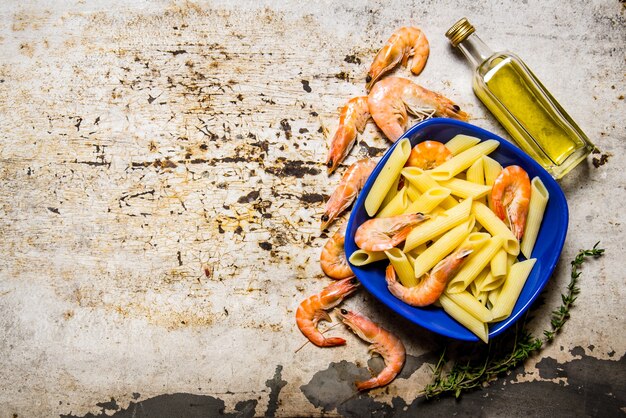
(480, 371)
(561, 315)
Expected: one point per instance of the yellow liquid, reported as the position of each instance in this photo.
(530, 114)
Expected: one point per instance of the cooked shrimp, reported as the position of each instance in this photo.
(312, 310)
(380, 234)
(383, 342)
(352, 119)
(432, 285)
(404, 43)
(333, 258)
(428, 155)
(391, 97)
(511, 198)
(343, 196)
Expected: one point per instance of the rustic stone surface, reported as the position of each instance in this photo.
(162, 179)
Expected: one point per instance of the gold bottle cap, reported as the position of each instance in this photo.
(460, 31)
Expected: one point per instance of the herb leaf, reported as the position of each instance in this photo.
(486, 367)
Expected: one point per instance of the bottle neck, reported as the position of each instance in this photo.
(475, 50)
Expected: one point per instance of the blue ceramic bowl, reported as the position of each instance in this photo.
(547, 249)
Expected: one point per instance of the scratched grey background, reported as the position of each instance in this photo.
(162, 179)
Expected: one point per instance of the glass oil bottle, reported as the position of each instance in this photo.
(519, 101)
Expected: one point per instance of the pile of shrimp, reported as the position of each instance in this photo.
(389, 101)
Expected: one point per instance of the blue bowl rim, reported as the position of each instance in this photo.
(549, 263)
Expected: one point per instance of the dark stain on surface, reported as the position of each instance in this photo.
(599, 162)
(53, 210)
(289, 168)
(372, 151)
(249, 198)
(352, 59)
(174, 405)
(343, 76)
(265, 245)
(275, 384)
(305, 86)
(312, 198)
(286, 127)
(595, 388)
(177, 52)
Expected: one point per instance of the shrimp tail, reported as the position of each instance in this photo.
(343, 141)
(367, 384)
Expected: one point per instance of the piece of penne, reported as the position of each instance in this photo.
(415, 252)
(474, 265)
(440, 249)
(460, 143)
(538, 201)
(428, 201)
(495, 226)
(393, 190)
(424, 182)
(483, 298)
(465, 189)
(492, 297)
(465, 318)
(499, 264)
(438, 225)
(491, 282)
(384, 180)
(492, 170)
(463, 160)
(511, 289)
(402, 266)
(412, 192)
(480, 278)
(475, 240)
(363, 257)
(476, 173)
(470, 304)
(395, 206)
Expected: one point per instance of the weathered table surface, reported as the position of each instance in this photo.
(162, 180)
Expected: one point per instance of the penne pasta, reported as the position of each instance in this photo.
(424, 182)
(428, 200)
(492, 297)
(396, 206)
(465, 189)
(460, 143)
(495, 226)
(483, 298)
(403, 267)
(386, 177)
(440, 249)
(478, 281)
(393, 190)
(471, 305)
(418, 250)
(463, 160)
(363, 257)
(464, 318)
(438, 225)
(412, 192)
(476, 173)
(492, 170)
(475, 239)
(511, 289)
(538, 201)
(499, 265)
(474, 265)
(491, 282)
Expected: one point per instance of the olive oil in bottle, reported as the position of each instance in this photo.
(519, 101)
